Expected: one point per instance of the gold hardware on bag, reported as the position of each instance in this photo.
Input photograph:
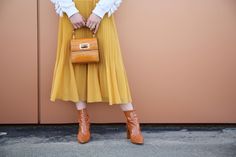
(84, 45)
(84, 50)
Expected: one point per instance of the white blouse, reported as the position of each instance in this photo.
(102, 7)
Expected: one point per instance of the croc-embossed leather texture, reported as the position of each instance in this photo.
(84, 50)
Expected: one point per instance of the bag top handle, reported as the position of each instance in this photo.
(73, 34)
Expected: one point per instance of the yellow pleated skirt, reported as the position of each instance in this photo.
(105, 81)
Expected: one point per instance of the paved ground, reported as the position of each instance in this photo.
(110, 141)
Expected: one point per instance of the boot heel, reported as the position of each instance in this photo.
(128, 134)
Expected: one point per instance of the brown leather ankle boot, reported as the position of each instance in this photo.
(83, 135)
(133, 127)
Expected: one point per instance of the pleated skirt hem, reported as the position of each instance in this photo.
(106, 100)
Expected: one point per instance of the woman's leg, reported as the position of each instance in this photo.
(126, 106)
(81, 105)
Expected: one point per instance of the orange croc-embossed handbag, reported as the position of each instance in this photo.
(84, 50)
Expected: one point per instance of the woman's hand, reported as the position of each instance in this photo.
(93, 22)
(77, 20)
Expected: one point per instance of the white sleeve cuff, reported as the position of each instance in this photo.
(105, 6)
(67, 6)
(98, 11)
(71, 11)
(114, 7)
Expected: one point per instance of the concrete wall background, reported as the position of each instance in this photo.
(180, 58)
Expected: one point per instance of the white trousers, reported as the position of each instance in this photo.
(124, 107)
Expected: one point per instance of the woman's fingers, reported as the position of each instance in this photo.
(83, 22)
(93, 25)
(93, 21)
(96, 28)
(77, 20)
(75, 26)
(89, 23)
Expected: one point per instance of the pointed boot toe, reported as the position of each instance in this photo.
(83, 138)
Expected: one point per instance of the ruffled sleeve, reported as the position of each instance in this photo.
(106, 6)
(114, 7)
(67, 6)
